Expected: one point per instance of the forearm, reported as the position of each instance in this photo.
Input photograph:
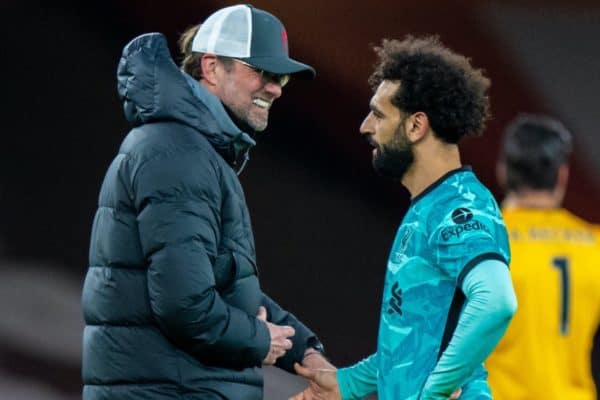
(490, 304)
(358, 380)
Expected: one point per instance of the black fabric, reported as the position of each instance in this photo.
(439, 182)
(453, 314)
(171, 294)
(459, 298)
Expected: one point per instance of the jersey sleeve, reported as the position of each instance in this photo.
(358, 380)
(463, 234)
(490, 305)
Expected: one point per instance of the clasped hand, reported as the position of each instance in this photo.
(280, 343)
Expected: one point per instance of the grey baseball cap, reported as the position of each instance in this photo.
(251, 35)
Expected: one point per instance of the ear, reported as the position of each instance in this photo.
(417, 126)
(209, 63)
(563, 177)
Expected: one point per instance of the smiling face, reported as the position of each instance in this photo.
(246, 93)
(384, 129)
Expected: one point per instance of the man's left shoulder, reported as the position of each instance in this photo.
(459, 206)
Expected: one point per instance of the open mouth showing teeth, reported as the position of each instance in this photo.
(262, 103)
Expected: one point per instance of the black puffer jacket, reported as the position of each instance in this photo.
(172, 291)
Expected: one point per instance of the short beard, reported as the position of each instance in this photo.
(395, 158)
(241, 120)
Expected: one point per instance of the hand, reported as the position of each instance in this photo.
(315, 360)
(323, 384)
(279, 338)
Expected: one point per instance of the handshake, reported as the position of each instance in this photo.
(316, 369)
(320, 374)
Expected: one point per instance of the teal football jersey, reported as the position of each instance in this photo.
(448, 229)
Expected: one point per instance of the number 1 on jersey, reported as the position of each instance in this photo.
(562, 263)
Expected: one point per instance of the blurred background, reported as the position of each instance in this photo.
(323, 220)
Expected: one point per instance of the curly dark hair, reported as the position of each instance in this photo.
(437, 81)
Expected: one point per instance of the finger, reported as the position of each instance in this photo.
(269, 359)
(273, 359)
(288, 331)
(279, 353)
(273, 355)
(275, 352)
(281, 344)
(262, 314)
(305, 372)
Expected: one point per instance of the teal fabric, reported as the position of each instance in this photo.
(490, 304)
(451, 227)
(359, 380)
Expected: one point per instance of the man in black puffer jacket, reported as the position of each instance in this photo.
(172, 302)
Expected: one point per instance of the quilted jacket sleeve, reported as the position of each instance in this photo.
(177, 198)
(300, 340)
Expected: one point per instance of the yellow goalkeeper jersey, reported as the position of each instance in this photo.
(555, 267)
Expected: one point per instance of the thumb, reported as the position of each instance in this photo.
(305, 372)
(262, 314)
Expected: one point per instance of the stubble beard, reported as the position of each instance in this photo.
(245, 113)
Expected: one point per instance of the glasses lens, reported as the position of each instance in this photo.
(282, 80)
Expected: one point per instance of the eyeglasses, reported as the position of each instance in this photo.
(280, 79)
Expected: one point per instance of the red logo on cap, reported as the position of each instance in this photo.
(284, 40)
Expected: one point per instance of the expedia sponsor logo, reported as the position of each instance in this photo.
(463, 218)
(462, 215)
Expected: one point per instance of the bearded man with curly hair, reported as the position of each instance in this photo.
(448, 296)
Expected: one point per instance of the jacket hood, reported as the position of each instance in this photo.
(154, 89)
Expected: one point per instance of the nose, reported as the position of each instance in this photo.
(274, 89)
(366, 126)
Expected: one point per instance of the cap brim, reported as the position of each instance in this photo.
(282, 65)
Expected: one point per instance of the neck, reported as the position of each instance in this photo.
(429, 166)
(537, 199)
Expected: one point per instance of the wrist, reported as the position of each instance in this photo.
(314, 345)
(311, 352)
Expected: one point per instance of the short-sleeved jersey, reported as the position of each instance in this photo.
(448, 229)
(546, 352)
